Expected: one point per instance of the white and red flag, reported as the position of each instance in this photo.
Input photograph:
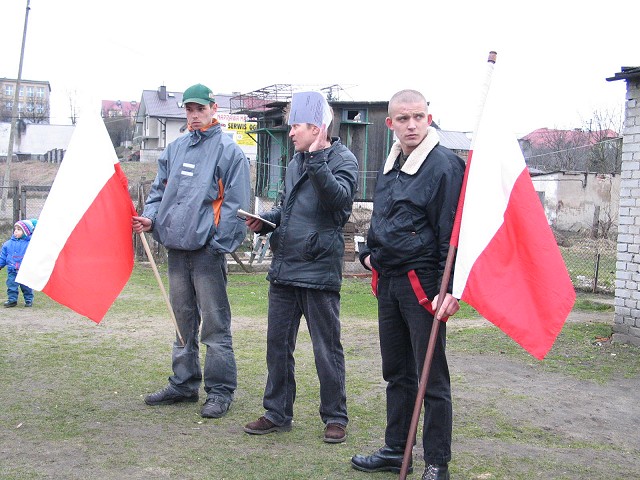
(81, 252)
(508, 264)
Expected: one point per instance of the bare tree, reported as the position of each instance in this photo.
(605, 154)
(73, 106)
(596, 147)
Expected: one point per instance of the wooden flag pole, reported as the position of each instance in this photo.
(435, 326)
(164, 293)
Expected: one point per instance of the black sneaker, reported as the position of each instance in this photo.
(168, 396)
(215, 407)
(28, 304)
(9, 304)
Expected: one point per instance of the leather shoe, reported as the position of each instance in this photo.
(263, 425)
(387, 459)
(9, 304)
(334, 433)
(167, 396)
(436, 472)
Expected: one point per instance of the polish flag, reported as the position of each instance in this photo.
(508, 265)
(81, 252)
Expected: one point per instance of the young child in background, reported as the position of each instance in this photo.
(11, 257)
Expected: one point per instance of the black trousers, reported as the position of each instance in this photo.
(405, 327)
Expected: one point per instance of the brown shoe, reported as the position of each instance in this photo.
(335, 433)
(263, 426)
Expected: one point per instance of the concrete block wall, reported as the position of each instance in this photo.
(627, 303)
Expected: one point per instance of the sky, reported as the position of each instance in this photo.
(553, 57)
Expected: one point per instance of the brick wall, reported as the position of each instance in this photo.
(627, 303)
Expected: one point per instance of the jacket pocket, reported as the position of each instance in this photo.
(318, 245)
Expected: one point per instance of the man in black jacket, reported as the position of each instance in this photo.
(414, 207)
(306, 269)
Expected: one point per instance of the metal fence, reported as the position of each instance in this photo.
(591, 262)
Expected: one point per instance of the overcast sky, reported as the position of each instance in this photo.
(553, 56)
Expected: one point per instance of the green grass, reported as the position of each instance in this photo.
(72, 394)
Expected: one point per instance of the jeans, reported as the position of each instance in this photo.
(198, 293)
(405, 328)
(13, 286)
(321, 309)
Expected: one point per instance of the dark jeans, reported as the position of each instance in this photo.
(405, 327)
(321, 309)
(198, 293)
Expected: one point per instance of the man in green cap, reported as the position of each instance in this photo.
(202, 181)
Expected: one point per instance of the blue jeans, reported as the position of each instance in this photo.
(321, 309)
(198, 293)
(13, 286)
(405, 328)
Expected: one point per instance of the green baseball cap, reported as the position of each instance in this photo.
(198, 94)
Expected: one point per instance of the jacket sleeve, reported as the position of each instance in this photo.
(442, 212)
(231, 230)
(3, 255)
(336, 188)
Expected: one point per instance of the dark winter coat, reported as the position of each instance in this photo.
(307, 245)
(413, 212)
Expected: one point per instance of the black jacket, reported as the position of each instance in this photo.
(413, 212)
(307, 245)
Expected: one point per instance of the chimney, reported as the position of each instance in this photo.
(162, 92)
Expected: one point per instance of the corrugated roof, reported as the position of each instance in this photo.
(454, 140)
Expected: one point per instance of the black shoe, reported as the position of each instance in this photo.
(28, 304)
(215, 407)
(167, 396)
(387, 459)
(436, 472)
(9, 303)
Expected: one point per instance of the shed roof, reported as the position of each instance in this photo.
(625, 73)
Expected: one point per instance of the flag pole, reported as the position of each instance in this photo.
(435, 326)
(164, 292)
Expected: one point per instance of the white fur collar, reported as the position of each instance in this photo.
(417, 157)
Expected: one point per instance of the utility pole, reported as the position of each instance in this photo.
(14, 117)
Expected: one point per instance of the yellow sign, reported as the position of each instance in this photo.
(239, 125)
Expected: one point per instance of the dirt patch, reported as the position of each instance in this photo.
(601, 418)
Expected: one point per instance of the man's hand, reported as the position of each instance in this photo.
(253, 224)
(141, 224)
(320, 141)
(448, 308)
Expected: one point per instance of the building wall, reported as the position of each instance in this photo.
(627, 303)
(33, 101)
(580, 202)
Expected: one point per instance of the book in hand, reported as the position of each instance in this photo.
(243, 214)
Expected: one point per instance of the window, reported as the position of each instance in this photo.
(30, 107)
(40, 92)
(8, 90)
(21, 93)
(39, 108)
(30, 92)
(354, 115)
